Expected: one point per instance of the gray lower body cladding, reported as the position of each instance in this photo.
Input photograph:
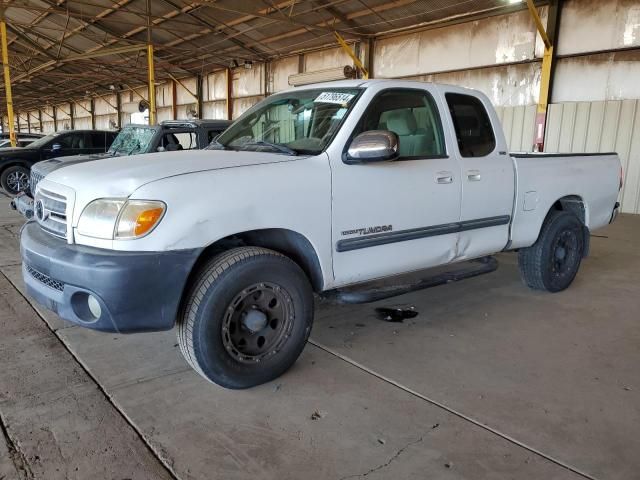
(130, 291)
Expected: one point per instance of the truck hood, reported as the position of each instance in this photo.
(121, 176)
(47, 166)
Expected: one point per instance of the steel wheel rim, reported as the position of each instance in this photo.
(18, 181)
(565, 248)
(261, 299)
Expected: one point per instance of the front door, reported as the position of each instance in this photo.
(396, 216)
(487, 175)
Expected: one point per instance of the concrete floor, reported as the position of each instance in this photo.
(489, 381)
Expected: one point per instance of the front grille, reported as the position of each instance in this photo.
(50, 211)
(45, 279)
(33, 182)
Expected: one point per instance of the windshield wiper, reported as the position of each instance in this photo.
(275, 146)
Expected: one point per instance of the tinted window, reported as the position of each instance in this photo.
(66, 141)
(413, 116)
(473, 127)
(97, 140)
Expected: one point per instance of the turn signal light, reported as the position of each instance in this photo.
(138, 218)
(147, 220)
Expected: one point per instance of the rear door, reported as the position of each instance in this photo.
(487, 174)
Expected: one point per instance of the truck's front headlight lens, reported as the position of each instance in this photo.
(111, 219)
(138, 218)
(98, 219)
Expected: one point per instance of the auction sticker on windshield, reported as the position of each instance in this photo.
(339, 98)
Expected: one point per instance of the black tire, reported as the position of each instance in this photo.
(15, 179)
(551, 264)
(218, 315)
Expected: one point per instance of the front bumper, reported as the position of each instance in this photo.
(135, 291)
(23, 204)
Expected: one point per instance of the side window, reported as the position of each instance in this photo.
(413, 116)
(66, 141)
(187, 140)
(473, 127)
(174, 141)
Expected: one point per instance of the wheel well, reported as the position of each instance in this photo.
(289, 243)
(13, 163)
(574, 204)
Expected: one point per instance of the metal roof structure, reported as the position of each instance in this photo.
(62, 50)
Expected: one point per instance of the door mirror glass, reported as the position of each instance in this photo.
(373, 146)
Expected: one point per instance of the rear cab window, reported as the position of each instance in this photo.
(471, 122)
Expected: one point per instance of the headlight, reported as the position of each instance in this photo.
(120, 219)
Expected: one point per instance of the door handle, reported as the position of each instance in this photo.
(444, 177)
(474, 175)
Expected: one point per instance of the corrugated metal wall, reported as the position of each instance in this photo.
(518, 124)
(578, 127)
(612, 126)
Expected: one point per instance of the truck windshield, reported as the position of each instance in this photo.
(302, 122)
(132, 139)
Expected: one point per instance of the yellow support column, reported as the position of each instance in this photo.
(151, 70)
(152, 86)
(543, 101)
(345, 46)
(7, 80)
(548, 37)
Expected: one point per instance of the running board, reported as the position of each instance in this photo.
(374, 291)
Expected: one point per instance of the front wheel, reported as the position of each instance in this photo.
(551, 264)
(15, 179)
(247, 317)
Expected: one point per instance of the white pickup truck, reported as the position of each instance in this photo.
(323, 189)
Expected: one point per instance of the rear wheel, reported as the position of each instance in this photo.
(552, 263)
(247, 317)
(15, 179)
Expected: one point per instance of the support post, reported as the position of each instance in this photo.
(174, 99)
(150, 68)
(548, 36)
(18, 121)
(55, 118)
(93, 113)
(370, 63)
(229, 94)
(7, 78)
(29, 121)
(119, 110)
(200, 95)
(71, 117)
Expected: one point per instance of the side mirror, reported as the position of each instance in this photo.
(160, 149)
(56, 146)
(373, 146)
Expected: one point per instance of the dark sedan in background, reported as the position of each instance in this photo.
(15, 163)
